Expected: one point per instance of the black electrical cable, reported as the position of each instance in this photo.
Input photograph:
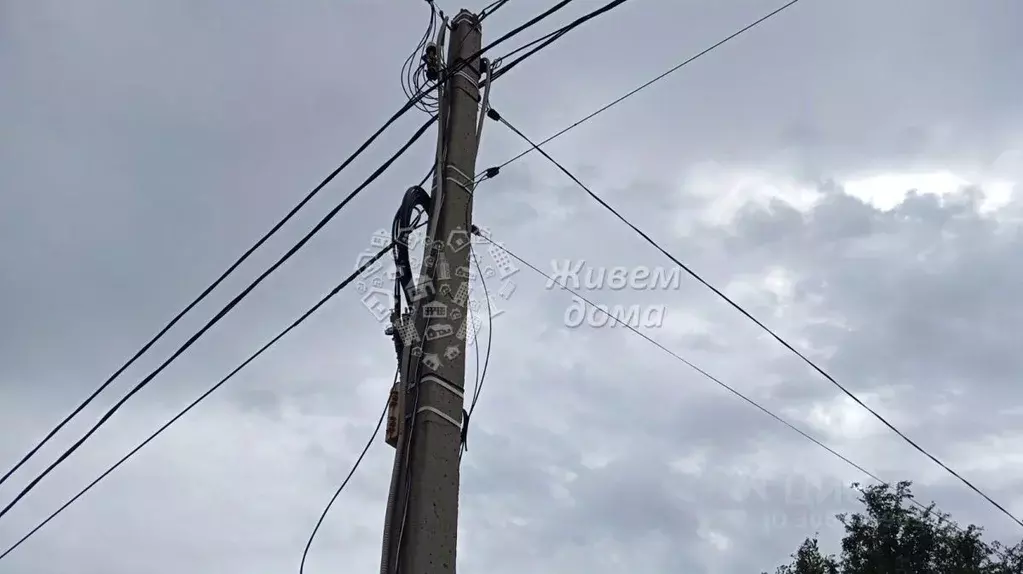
(415, 197)
(480, 375)
(224, 311)
(557, 33)
(426, 178)
(449, 73)
(347, 281)
(661, 76)
(402, 111)
(400, 240)
(705, 374)
(491, 8)
(554, 36)
(206, 292)
(457, 66)
(490, 336)
(495, 115)
(518, 29)
(543, 42)
(344, 483)
(413, 75)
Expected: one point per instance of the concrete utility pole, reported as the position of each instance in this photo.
(422, 518)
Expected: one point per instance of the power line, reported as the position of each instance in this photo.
(206, 291)
(223, 312)
(658, 78)
(412, 102)
(683, 360)
(707, 375)
(413, 74)
(481, 375)
(578, 21)
(493, 113)
(490, 336)
(348, 280)
(344, 483)
(552, 37)
(199, 298)
(543, 42)
(518, 29)
(528, 45)
(491, 8)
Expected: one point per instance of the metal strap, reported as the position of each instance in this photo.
(457, 424)
(431, 378)
(460, 185)
(467, 184)
(459, 172)
(473, 82)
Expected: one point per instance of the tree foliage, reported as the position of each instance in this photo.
(894, 536)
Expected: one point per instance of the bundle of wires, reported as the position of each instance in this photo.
(415, 199)
(414, 71)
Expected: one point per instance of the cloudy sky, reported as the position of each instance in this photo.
(847, 171)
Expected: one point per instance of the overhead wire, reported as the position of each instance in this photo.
(221, 314)
(554, 36)
(545, 39)
(510, 34)
(390, 121)
(481, 374)
(491, 8)
(273, 230)
(704, 373)
(413, 74)
(330, 295)
(495, 115)
(451, 70)
(344, 483)
(653, 80)
(490, 335)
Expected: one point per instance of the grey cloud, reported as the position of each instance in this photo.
(147, 147)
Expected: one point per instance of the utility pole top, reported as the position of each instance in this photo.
(464, 15)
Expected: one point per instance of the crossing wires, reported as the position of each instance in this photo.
(495, 115)
(420, 67)
(323, 301)
(553, 36)
(231, 269)
(705, 374)
(220, 315)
